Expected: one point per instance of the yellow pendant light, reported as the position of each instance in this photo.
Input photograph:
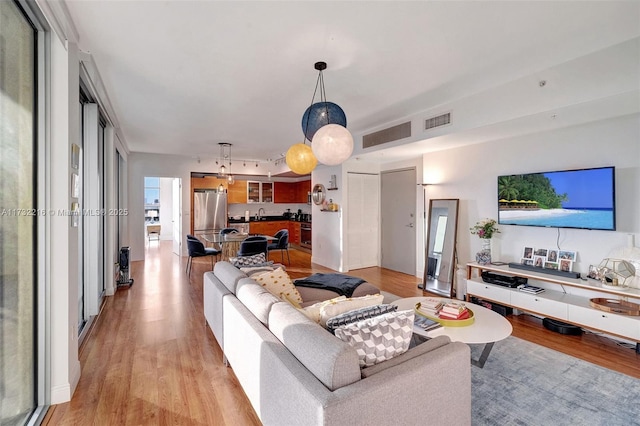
(300, 159)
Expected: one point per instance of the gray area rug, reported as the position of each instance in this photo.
(527, 384)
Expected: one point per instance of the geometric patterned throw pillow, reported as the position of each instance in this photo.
(253, 260)
(359, 315)
(379, 338)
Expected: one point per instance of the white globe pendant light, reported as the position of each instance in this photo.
(332, 144)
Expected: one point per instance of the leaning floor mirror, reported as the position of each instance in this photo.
(440, 248)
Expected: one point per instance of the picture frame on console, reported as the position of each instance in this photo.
(548, 261)
(552, 259)
(541, 252)
(567, 255)
(538, 261)
(566, 265)
(551, 265)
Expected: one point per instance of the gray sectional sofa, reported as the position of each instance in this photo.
(294, 372)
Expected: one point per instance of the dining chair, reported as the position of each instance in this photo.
(282, 244)
(197, 249)
(253, 245)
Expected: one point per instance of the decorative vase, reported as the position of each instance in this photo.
(483, 257)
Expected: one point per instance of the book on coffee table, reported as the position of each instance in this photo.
(426, 323)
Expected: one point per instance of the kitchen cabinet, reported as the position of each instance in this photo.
(292, 192)
(284, 192)
(207, 182)
(294, 233)
(303, 189)
(259, 192)
(237, 192)
(258, 228)
(264, 227)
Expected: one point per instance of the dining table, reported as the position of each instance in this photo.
(230, 243)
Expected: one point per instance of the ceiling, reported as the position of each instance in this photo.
(183, 76)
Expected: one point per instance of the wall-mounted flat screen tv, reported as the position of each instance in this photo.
(583, 199)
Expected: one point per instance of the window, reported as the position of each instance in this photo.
(18, 313)
(151, 199)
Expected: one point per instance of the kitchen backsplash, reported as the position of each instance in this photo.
(270, 209)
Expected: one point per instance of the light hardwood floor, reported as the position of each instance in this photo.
(151, 359)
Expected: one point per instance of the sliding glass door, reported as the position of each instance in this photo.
(18, 313)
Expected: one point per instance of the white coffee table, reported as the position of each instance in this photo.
(488, 327)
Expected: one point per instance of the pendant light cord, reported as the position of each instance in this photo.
(319, 81)
(323, 97)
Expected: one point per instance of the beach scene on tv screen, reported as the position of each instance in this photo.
(564, 199)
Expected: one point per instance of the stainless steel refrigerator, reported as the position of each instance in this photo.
(209, 211)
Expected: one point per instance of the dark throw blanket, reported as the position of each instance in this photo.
(342, 284)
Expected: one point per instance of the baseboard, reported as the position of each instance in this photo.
(63, 393)
(60, 394)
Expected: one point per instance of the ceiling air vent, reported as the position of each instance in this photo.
(390, 134)
(441, 120)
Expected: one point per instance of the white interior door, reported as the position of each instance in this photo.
(363, 224)
(177, 216)
(398, 214)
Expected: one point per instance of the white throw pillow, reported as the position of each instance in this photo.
(279, 283)
(341, 306)
(379, 338)
(253, 270)
(313, 311)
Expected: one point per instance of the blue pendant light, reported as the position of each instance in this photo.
(320, 114)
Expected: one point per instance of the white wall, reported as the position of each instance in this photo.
(326, 229)
(62, 241)
(470, 173)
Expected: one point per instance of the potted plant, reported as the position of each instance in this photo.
(485, 229)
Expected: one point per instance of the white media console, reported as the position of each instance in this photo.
(564, 299)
